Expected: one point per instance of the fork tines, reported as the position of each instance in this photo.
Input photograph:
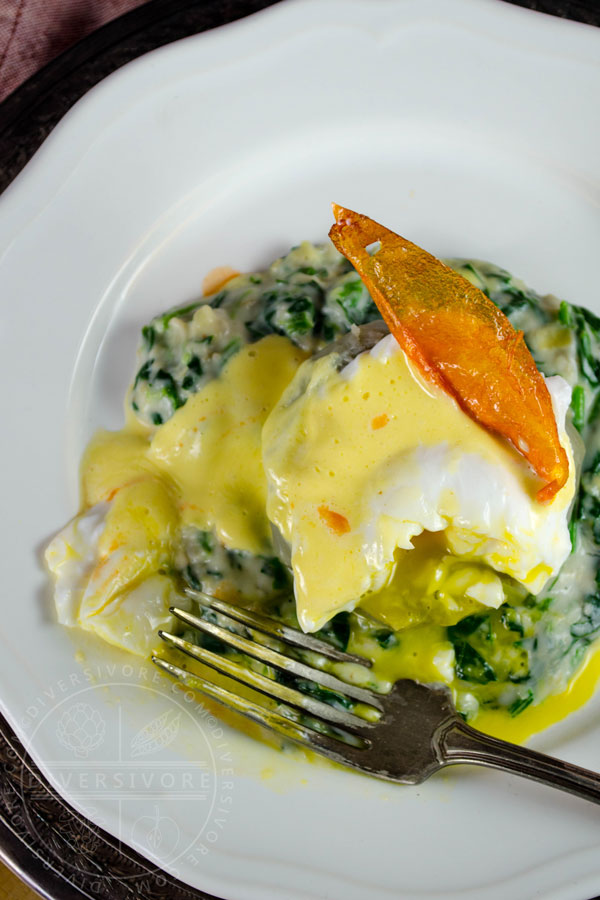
(276, 629)
(324, 702)
(334, 745)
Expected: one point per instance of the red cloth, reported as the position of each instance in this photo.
(32, 32)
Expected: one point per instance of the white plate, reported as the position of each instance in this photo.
(471, 126)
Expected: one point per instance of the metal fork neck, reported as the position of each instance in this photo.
(457, 743)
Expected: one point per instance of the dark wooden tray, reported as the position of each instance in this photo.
(44, 840)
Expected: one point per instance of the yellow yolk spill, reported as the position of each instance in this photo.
(553, 709)
(429, 586)
(421, 655)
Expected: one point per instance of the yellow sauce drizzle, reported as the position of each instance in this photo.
(536, 718)
(204, 467)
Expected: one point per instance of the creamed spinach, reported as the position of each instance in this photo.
(506, 658)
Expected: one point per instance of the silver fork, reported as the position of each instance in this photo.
(403, 736)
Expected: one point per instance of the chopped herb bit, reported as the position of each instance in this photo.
(470, 665)
(565, 314)
(386, 639)
(273, 568)
(332, 698)
(143, 372)
(195, 365)
(149, 334)
(465, 627)
(337, 631)
(209, 642)
(521, 703)
(190, 577)
(509, 619)
(230, 350)
(206, 541)
(578, 407)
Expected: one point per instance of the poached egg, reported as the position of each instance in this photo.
(362, 460)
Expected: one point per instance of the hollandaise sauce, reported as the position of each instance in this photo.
(260, 465)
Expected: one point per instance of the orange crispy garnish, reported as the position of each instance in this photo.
(338, 523)
(459, 339)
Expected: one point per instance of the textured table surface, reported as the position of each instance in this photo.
(12, 888)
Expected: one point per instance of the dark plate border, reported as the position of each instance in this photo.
(48, 856)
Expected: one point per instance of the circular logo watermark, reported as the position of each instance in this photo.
(151, 766)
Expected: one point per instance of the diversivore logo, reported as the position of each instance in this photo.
(154, 767)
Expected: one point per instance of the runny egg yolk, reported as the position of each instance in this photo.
(363, 460)
(324, 479)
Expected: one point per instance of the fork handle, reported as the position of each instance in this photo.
(459, 743)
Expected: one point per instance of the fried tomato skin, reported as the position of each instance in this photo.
(459, 339)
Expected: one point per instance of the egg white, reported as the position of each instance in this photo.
(320, 450)
(84, 588)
